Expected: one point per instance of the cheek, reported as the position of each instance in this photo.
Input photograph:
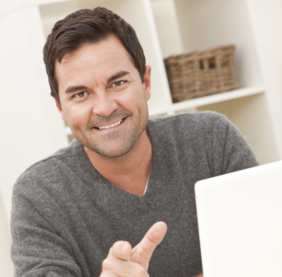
(78, 115)
(135, 97)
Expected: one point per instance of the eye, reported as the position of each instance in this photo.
(80, 94)
(118, 83)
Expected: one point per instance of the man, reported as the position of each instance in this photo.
(98, 207)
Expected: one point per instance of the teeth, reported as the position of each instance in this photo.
(109, 126)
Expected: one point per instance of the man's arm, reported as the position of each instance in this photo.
(227, 150)
(37, 248)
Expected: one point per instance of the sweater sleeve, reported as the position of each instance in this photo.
(227, 149)
(37, 248)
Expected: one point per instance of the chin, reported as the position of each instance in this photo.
(111, 151)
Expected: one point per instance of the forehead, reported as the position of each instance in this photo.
(104, 57)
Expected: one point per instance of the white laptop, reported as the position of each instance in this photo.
(240, 222)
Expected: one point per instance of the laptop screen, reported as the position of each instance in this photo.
(240, 222)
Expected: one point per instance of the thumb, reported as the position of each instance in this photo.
(143, 251)
(121, 250)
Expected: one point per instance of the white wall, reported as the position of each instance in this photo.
(31, 127)
(273, 22)
(6, 266)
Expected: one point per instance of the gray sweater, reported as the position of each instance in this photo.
(66, 216)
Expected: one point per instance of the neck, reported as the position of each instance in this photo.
(129, 172)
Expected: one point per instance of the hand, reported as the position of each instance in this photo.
(123, 261)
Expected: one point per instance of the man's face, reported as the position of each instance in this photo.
(102, 97)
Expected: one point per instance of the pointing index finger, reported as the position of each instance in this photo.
(150, 241)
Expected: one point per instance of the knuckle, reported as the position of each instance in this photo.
(114, 247)
(143, 253)
(117, 245)
(141, 272)
(106, 265)
(117, 248)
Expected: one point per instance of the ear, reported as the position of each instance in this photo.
(147, 82)
(60, 109)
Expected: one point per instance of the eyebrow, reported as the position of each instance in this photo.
(72, 89)
(117, 75)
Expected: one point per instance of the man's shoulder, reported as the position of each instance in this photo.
(51, 166)
(199, 121)
(194, 117)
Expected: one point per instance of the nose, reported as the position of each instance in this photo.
(104, 104)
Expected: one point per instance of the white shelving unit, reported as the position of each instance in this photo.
(31, 128)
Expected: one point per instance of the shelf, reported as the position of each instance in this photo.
(160, 111)
(201, 101)
(216, 98)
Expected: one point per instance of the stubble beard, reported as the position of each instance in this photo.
(112, 146)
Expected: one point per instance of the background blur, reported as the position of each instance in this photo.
(31, 128)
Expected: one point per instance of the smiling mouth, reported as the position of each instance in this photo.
(110, 125)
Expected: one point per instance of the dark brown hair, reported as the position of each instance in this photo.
(89, 26)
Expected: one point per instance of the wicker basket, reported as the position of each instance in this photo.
(201, 73)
